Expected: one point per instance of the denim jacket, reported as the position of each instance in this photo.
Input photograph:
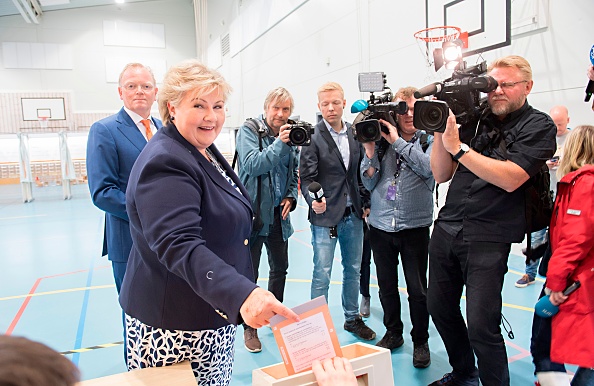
(401, 196)
(253, 163)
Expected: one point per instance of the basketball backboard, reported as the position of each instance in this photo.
(488, 23)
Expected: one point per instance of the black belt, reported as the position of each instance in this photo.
(348, 211)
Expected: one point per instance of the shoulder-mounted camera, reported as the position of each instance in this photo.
(461, 93)
(366, 127)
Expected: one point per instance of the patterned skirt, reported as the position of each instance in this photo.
(210, 352)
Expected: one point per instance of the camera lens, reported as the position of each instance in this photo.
(297, 136)
(431, 115)
(368, 131)
(434, 117)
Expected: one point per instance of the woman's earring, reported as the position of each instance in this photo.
(173, 118)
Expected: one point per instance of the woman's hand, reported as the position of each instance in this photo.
(260, 306)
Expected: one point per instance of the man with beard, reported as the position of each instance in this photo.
(484, 213)
(268, 169)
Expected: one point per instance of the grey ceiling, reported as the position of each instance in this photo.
(7, 7)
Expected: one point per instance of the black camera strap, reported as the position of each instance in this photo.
(256, 126)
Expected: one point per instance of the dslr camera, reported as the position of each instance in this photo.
(366, 127)
(461, 93)
(300, 134)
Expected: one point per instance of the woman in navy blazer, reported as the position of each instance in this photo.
(189, 280)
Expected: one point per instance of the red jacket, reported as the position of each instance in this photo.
(572, 242)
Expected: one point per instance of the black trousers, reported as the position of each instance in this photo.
(481, 267)
(412, 246)
(278, 256)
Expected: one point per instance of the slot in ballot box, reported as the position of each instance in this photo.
(372, 366)
(179, 374)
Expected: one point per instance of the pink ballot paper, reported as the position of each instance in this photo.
(313, 337)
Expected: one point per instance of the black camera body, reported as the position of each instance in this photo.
(300, 134)
(461, 93)
(366, 127)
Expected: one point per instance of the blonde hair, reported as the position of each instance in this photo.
(578, 150)
(138, 66)
(280, 95)
(189, 76)
(404, 93)
(331, 86)
(513, 61)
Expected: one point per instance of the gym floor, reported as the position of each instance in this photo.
(57, 289)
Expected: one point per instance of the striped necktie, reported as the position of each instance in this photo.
(148, 131)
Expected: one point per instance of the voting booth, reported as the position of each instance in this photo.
(372, 366)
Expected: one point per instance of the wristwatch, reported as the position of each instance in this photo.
(464, 148)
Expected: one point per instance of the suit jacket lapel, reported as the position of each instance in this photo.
(325, 133)
(353, 148)
(127, 127)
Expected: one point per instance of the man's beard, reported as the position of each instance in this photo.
(502, 109)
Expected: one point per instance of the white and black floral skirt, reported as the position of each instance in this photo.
(209, 351)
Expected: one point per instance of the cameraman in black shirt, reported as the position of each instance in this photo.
(482, 216)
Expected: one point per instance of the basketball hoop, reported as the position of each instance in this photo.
(42, 122)
(431, 38)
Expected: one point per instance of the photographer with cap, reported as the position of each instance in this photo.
(401, 186)
(268, 168)
(484, 213)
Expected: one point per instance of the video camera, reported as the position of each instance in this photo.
(300, 134)
(366, 127)
(461, 93)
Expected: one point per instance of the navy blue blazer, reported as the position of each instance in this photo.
(190, 266)
(322, 162)
(113, 145)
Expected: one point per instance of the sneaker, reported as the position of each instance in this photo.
(251, 340)
(357, 326)
(391, 340)
(525, 281)
(421, 356)
(453, 379)
(364, 308)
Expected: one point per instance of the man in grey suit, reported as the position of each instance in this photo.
(114, 144)
(332, 160)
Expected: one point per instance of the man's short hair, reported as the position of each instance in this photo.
(278, 95)
(331, 86)
(136, 65)
(405, 93)
(24, 362)
(513, 61)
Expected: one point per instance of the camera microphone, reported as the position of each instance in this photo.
(430, 89)
(315, 191)
(359, 105)
(590, 86)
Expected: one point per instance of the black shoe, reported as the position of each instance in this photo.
(391, 340)
(357, 326)
(453, 379)
(421, 356)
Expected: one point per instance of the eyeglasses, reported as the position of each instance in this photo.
(510, 85)
(133, 87)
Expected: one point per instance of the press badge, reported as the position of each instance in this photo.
(391, 194)
(575, 212)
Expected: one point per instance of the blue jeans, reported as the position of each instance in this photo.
(350, 237)
(536, 238)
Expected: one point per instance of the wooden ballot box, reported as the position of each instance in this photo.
(179, 374)
(372, 366)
